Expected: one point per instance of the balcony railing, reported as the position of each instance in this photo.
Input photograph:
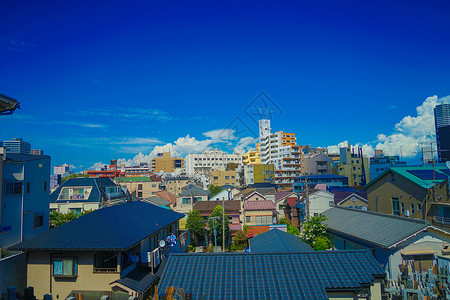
(441, 220)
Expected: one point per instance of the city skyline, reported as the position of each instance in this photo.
(110, 81)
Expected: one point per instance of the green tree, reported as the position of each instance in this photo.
(240, 240)
(290, 228)
(214, 190)
(57, 218)
(314, 233)
(196, 225)
(217, 212)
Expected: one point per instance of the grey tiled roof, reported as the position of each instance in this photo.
(270, 275)
(194, 191)
(278, 241)
(157, 201)
(376, 228)
(118, 227)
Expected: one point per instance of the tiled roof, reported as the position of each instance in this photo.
(157, 201)
(270, 275)
(112, 228)
(278, 241)
(379, 229)
(259, 205)
(404, 172)
(193, 192)
(167, 196)
(292, 201)
(281, 195)
(232, 207)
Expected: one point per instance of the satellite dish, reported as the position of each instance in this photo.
(448, 164)
(162, 243)
(135, 259)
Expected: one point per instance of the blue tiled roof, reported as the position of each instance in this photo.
(270, 275)
(278, 241)
(375, 228)
(118, 227)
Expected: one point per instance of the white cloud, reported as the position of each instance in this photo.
(408, 134)
(97, 166)
(185, 145)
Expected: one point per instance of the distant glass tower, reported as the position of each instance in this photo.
(442, 123)
(17, 146)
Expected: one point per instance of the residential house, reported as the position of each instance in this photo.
(277, 241)
(187, 199)
(280, 201)
(260, 213)
(356, 200)
(304, 275)
(83, 194)
(390, 238)
(223, 195)
(232, 210)
(111, 250)
(437, 207)
(319, 201)
(141, 186)
(175, 185)
(155, 200)
(402, 191)
(167, 196)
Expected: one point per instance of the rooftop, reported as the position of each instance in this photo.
(306, 275)
(382, 230)
(16, 157)
(278, 241)
(259, 205)
(117, 227)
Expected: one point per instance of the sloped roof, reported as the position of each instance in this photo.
(157, 201)
(167, 196)
(270, 275)
(232, 207)
(292, 201)
(405, 173)
(193, 192)
(379, 229)
(117, 227)
(259, 205)
(278, 241)
(282, 194)
(98, 188)
(339, 196)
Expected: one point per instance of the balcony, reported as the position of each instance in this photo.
(442, 221)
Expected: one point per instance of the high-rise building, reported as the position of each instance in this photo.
(165, 162)
(36, 152)
(210, 160)
(17, 145)
(442, 123)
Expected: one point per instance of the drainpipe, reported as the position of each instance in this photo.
(21, 204)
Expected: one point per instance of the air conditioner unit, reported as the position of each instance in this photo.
(406, 213)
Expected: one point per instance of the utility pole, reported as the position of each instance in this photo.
(215, 232)
(307, 196)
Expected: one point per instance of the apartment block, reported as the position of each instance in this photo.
(253, 157)
(221, 178)
(17, 145)
(353, 166)
(166, 163)
(204, 163)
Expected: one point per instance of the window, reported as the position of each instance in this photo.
(403, 208)
(412, 208)
(331, 203)
(38, 220)
(227, 177)
(395, 207)
(105, 262)
(140, 187)
(13, 188)
(232, 177)
(45, 186)
(75, 210)
(28, 187)
(216, 178)
(247, 219)
(140, 194)
(186, 200)
(65, 267)
(419, 206)
(153, 185)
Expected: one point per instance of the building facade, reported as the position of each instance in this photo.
(139, 187)
(316, 164)
(221, 178)
(253, 157)
(166, 163)
(17, 145)
(442, 125)
(353, 166)
(210, 160)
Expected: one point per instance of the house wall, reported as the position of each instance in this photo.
(255, 197)
(320, 202)
(66, 207)
(438, 197)
(149, 188)
(353, 201)
(221, 178)
(175, 187)
(39, 269)
(25, 207)
(13, 272)
(253, 213)
(389, 186)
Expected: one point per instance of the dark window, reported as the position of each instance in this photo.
(28, 187)
(105, 262)
(140, 194)
(419, 206)
(65, 267)
(45, 186)
(395, 207)
(139, 186)
(13, 188)
(38, 220)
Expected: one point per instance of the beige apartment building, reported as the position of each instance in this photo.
(221, 178)
(139, 187)
(166, 163)
(175, 185)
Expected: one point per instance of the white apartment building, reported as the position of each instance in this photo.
(61, 170)
(211, 160)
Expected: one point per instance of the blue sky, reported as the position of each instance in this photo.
(101, 80)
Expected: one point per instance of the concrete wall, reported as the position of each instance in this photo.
(39, 268)
(320, 202)
(66, 207)
(13, 272)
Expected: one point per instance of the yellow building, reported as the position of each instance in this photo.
(287, 139)
(165, 162)
(140, 187)
(351, 166)
(253, 157)
(221, 178)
